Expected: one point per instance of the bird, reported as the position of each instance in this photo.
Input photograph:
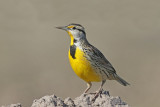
(87, 61)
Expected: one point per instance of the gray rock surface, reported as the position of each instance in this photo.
(13, 105)
(103, 100)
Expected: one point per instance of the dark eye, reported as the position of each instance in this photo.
(74, 28)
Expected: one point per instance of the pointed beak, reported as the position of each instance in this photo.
(63, 28)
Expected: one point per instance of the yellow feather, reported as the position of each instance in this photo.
(82, 67)
(70, 26)
(71, 36)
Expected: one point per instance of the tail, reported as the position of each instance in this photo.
(121, 81)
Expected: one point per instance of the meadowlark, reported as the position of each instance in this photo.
(87, 61)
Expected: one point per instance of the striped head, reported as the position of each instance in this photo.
(75, 31)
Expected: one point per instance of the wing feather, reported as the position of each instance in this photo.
(94, 55)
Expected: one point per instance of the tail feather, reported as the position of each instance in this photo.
(121, 81)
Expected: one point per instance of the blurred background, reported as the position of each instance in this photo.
(34, 55)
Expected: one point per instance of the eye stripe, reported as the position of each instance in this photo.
(76, 24)
(82, 31)
(70, 26)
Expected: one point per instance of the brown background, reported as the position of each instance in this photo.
(34, 60)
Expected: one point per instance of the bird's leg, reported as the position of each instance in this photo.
(99, 90)
(89, 84)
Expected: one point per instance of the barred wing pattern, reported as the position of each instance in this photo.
(99, 62)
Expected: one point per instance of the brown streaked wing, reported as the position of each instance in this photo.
(98, 57)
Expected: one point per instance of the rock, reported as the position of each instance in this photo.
(69, 102)
(103, 100)
(14, 105)
(48, 101)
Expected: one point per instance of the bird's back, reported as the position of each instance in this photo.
(98, 61)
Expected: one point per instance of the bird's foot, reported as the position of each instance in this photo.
(97, 93)
(84, 94)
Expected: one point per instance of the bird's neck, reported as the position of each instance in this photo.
(78, 41)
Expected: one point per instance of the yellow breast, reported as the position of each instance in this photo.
(82, 67)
